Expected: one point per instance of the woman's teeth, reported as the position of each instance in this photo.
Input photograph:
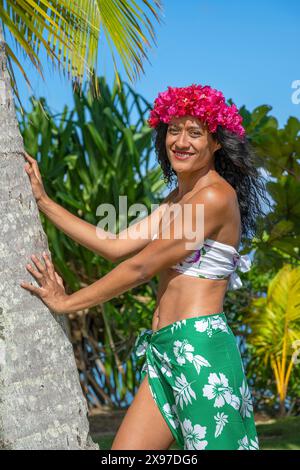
(182, 155)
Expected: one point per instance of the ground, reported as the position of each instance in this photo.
(106, 422)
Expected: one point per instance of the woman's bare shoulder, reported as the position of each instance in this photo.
(219, 191)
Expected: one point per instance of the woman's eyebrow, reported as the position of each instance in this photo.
(190, 127)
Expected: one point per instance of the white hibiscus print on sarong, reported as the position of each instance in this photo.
(171, 414)
(244, 444)
(210, 324)
(193, 436)
(246, 406)
(254, 444)
(151, 371)
(218, 389)
(140, 350)
(165, 364)
(177, 324)
(184, 351)
(183, 391)
(221, 419)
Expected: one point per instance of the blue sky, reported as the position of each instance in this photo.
(248, 50)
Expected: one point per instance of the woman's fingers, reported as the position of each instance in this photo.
(35, 273)
(49, 266)
(45, 272)
(30, 169)
(31, 288)
(33, 166)
(52, 291)
(31, 159)
(38, 264)
(59, 279)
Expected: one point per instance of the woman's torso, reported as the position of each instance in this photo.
(181, 296)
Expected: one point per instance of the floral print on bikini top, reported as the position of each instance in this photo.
(215, 260)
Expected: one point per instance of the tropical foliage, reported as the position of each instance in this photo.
(269, 302)
(278, 151)
(275, 332)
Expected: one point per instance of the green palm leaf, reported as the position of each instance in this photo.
(69, 33)
(275, 325)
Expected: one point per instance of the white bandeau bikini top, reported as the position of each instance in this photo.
(215, 260)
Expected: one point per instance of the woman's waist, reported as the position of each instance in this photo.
(210, 333)
(164, 317)
(181, 303)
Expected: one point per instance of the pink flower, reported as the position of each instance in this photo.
(203, 102)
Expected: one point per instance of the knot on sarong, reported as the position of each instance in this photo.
(142, 342)
(144, 352)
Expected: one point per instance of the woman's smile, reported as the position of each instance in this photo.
(182, 155)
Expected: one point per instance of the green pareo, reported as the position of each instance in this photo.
(197, 379)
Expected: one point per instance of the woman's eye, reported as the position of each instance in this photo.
(193, 134)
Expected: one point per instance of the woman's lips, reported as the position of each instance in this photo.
(182, 155)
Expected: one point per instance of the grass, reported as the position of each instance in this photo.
(282, 434)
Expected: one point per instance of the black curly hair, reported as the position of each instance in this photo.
(235, 162)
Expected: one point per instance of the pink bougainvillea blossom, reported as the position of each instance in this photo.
(202, 102)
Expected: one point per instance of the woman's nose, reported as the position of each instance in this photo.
(182, 140)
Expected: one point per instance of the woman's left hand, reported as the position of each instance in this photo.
(52, 291)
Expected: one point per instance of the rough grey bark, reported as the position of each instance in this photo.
(41, 402)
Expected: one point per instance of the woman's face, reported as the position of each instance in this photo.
(189, 144)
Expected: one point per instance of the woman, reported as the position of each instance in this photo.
(193, 388)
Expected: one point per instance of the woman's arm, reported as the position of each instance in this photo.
(159, 254)
(122, 278)
(110, 246)
(79, 230)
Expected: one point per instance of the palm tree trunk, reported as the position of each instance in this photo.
(41, 402)
(282, 410)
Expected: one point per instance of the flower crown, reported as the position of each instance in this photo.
(202, 102)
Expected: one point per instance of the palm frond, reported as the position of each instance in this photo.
(69, 32)
(275, 325)
(123, 22)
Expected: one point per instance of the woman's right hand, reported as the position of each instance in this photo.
(32, 170)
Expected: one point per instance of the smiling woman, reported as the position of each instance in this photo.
(187, 139)
(194, 387)
(192, 366)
